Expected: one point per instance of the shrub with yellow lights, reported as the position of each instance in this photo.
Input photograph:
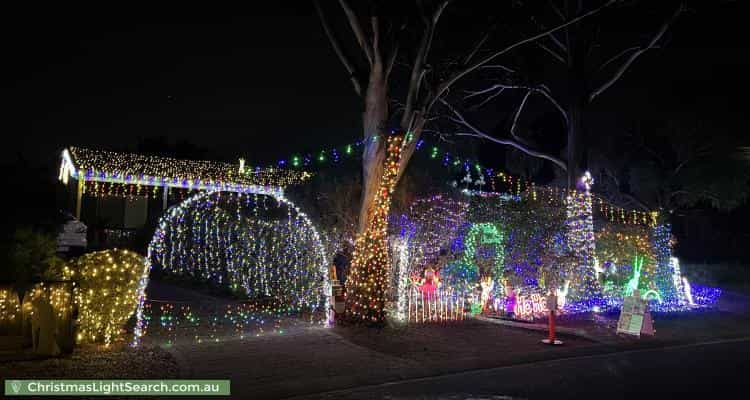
(107, 291)
(616, 250)
(10, 311)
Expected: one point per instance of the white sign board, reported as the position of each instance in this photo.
(631, 316)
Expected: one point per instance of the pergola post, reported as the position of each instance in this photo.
(165, 198)
(79, 197)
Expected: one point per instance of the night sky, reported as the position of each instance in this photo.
(265, 83)
(237, 84)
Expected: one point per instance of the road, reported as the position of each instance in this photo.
(705, 370)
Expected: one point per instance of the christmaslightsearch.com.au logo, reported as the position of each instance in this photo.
(34, 387)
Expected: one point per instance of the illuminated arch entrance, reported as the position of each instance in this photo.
(258, 245)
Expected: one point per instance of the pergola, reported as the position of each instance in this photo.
(89, 165)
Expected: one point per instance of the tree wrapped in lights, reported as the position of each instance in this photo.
(107, 291)
(581, 240)
(668, 281)
(367, 285)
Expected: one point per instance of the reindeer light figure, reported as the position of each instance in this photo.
(633, 282)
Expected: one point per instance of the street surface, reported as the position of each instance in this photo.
(708, 370)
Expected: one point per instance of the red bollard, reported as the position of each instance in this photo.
(552, 305)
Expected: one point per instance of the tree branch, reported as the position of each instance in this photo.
(460, 74)
(624, 67)
(477, 46)
(538, 90)
(617, 56)
(518, 114)
(418, 69)
(552, 37)
(636, 201)
(375, 39)
(557, 41)
(391, 59)
(551, 52)
(557, 10)
(498, 66)
(488, 98)
(357, 29)
(339, 52)
(478, 133)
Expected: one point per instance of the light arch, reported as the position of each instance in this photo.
(261, 244)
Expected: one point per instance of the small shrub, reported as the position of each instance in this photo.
(31, 257)
(107, 291)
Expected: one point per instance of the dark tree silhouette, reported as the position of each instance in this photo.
(584, 60)
(382, 31)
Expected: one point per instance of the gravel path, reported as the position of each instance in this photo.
(94, 362)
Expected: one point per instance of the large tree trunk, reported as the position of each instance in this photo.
(374, 120)
(574, 137)
(384, 160)
(577, 91)
(367, 283)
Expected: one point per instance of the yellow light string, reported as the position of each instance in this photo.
(135, 170)
(107, 292)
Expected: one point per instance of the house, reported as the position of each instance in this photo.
(120, 196)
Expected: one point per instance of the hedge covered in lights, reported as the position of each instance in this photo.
(106, 292)
(591, 253)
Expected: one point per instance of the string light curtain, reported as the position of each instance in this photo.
(258, 246)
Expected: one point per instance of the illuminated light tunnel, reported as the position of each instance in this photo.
(257, 245)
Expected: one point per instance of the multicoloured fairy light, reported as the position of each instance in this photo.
(663, 276)
(603, 253)
(256, 245)
(485, 235)
(199, 322)
(418, 237)
(369, 278)
(582, 242)
(683, 294)
(136, 170)
(401, 247)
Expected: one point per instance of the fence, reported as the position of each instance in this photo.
(444, 304)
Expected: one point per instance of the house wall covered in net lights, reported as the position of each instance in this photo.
(506, 252)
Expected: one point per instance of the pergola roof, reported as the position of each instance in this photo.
(130, 168)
